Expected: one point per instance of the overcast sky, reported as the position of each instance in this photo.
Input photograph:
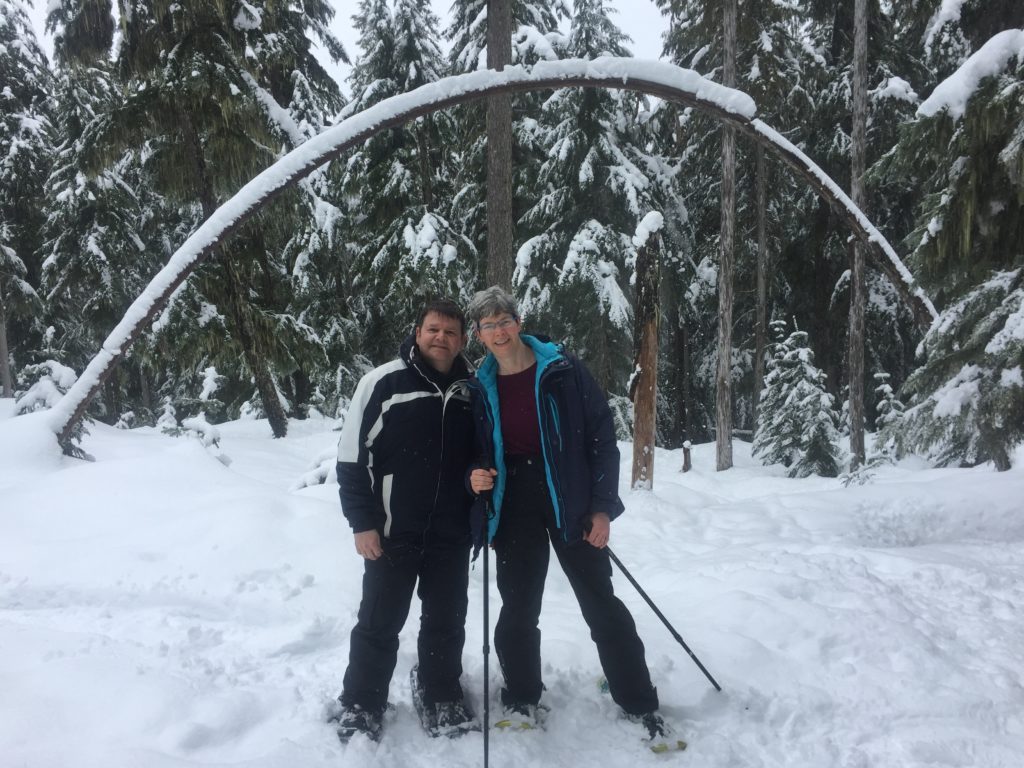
(640, 19)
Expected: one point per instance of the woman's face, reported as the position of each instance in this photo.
(499, 333)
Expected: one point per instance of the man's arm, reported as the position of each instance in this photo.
(355, 483)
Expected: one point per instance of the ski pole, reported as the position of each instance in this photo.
(487, 637)
(659, 614)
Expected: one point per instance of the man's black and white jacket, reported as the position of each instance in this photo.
(404, 450)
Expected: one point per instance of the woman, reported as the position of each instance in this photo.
(548, 456)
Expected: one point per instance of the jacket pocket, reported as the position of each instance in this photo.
(385, 488)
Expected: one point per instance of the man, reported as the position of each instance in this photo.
(402, 457)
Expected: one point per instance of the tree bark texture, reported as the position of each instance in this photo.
(763, 262)
(723, 377)
(500, 228)
(426, 172)
(684, 356)
(274, 181)
(6, 382)
(645, 383)
(858, 152)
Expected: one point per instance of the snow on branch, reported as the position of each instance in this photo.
(651, 223)
(655, 77)
(837, 192)
(953, 93)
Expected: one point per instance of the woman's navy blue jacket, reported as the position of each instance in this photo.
(577, 436)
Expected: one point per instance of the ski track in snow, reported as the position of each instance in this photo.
(160, 609)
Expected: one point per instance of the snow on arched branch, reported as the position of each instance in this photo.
(660, 79)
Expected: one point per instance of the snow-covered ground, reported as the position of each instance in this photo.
(161, 607)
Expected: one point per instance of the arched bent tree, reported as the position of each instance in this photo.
(660, 79)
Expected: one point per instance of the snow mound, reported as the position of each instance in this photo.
(28, 445)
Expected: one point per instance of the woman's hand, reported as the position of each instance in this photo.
(482, 480)
(600, 530)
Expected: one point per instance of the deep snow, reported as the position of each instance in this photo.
(158, 608)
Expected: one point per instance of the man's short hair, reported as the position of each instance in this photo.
(491, 301)
(445, 308)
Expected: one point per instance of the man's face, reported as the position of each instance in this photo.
(440, 339)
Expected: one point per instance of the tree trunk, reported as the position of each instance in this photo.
(254, 358)
(144, 391)
(500, 234)
(723, 377)
(242, 328)
(683, 352)
(763, 261)
(6, 381)
(858, 151)
(645, 383)
(426, 176)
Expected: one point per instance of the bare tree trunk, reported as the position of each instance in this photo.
(144, 390)
(723, 377)
(423, 150)
(858, 151)
(242, 325)
(238, 309)
(763, 260)
(6, 382)
(500, 230)
(683, 338)
(645, 383)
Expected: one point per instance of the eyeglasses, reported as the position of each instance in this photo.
(505, 324)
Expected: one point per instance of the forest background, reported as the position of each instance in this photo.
(142, 126)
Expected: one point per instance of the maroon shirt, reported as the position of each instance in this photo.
(517, 400)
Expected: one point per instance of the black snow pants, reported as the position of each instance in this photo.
(522, 553)
(388, 582)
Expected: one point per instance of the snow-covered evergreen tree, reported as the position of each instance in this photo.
(399, 182)
(534, 24)
(95, 258)
(968, 149)
(797, 422)
(965, 152)
(208, 97)
(775, 67)
(18, 300)
(888, 416)
(966, 402)
(598, 181)
(536, 37)
(889, 408)
(25, 115)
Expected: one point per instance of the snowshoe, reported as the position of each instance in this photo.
(352, 719)
(443, 718)
(659, 735)
(523, 717)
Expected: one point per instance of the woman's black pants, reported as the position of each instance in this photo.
(521, 547)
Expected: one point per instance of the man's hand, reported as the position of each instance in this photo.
(368, 544)
(600, 530)
(482, 480)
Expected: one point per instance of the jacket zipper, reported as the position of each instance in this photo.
(548, 449)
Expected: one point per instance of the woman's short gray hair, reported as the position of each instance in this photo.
(490, 301)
